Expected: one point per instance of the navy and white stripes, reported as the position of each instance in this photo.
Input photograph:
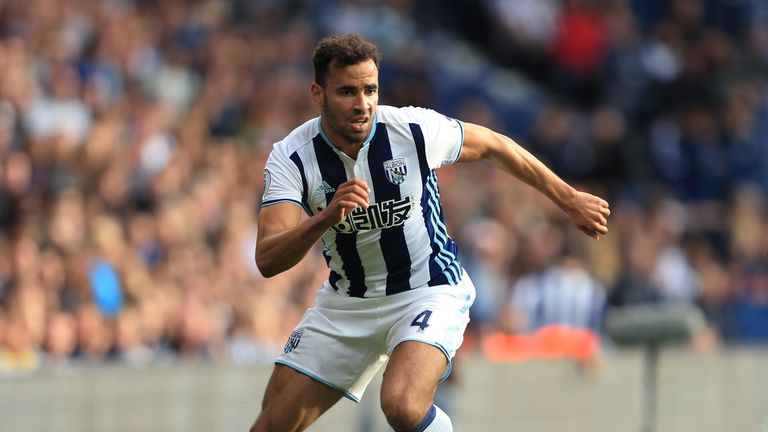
(400, 242)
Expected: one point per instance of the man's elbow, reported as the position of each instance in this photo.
(268, 275)
(267, 268)
(480, 143)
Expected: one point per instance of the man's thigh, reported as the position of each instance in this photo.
(410, 382)
(293, 401)
(413, 372)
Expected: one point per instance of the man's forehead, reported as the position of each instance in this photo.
(363, 71)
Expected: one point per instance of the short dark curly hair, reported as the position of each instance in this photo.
(342, 51)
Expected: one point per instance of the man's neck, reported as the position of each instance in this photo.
(350, 150)
(344, 146)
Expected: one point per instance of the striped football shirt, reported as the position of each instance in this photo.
(400, 241)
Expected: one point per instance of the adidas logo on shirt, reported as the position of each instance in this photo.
(323, 189)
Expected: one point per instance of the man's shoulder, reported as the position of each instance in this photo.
(407, 114)
(298, 137)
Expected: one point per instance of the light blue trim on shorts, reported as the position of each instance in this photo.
(298, 369)
(436, 345)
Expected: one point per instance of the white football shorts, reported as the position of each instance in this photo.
(343, 341)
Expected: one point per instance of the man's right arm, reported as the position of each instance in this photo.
(588, 212)
(284, 238)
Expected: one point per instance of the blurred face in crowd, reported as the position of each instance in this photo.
(348, 101)
(61, 335)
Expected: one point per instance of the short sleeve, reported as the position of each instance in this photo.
(282, 178)
(443, 136)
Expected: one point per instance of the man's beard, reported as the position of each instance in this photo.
(341, 127)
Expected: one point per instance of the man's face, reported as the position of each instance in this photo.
(348, 102)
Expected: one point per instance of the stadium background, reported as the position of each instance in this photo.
(132, 140)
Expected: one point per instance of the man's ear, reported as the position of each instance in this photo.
(317, 94)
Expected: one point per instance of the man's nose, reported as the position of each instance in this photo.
(361, 103)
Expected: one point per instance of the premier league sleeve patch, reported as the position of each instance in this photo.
(395, 170)
(267, 181)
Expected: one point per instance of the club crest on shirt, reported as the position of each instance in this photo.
(395, 170)
(293, 341)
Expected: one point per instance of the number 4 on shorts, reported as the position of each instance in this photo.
(421, 320)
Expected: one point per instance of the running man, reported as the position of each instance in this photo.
(365, 176)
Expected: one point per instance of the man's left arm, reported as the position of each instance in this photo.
(588, 212)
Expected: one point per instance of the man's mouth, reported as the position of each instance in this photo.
(359, 123)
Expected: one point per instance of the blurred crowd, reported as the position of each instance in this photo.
(133, 136)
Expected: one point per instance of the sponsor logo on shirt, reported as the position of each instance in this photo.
(385, 214)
